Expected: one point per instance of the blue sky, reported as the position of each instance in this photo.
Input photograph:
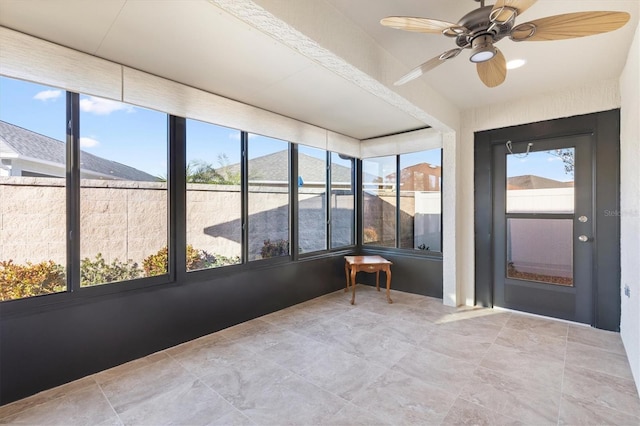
(538, 163)
(130, 135)
(137, 136)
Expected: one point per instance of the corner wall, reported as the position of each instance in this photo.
(630, 206)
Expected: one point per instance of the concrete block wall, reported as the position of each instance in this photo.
(128, 220)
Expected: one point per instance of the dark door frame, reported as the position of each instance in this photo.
(605, 126)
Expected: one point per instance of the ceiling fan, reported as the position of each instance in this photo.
(481, 28)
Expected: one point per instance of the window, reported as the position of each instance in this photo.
(214, 198)
(123, 192)
(108, 189)
(32, 190)
(406, 212)
(312, 199)
(268, 169)
(420, 200)
(342, 201)
(379, 203)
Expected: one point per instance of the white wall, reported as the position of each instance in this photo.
(630, 206)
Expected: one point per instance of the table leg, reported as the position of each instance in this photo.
(388, 271)
(346, 272)
(353, 284)
(378, 280)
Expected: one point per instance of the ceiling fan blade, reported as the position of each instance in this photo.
(569, 25)
(427, 66)
(421, 25)
(501, 16)
(494, 71)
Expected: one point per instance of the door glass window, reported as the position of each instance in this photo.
(541, 182)
(540, 250)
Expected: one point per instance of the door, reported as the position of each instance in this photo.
(543, 223)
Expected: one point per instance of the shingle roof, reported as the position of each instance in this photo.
(535, 182)
(270, 168)
(27, 143)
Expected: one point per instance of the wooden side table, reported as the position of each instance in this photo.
(355, 264)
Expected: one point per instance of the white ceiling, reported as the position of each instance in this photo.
(199, 44)
(550, 65)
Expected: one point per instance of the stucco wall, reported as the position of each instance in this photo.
(630, 206)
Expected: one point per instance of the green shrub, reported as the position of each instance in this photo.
(370, 235)
(274, 249)
(98, 271)
(217, 260)
(18, 281)
(156, 264)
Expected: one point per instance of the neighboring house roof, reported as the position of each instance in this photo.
(416, 177)
(33, 146)
(535, 182)
(270, 168)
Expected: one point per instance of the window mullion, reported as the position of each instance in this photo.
(359, 203)
(244, 191)
(293, 202)
(398, 217)
(177, 264)
(328, 200)
(73, 191)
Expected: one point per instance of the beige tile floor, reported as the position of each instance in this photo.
(325, 362)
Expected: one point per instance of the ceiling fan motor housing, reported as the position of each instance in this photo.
(478, 23)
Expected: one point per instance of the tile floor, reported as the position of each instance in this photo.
(325, 362)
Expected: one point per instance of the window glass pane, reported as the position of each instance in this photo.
(32, 190)
(541, 182)
(312, 199)
(214, 200)
(342, 201)
(379, 193)
(123, 194)
(540, 250)
(420, 200)
(268, 171)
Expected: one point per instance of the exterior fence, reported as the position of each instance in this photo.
(128, 220)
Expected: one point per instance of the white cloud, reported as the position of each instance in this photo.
(236, 136)
(88, 143)
(550, 159)
(101, 106)
(47, 95)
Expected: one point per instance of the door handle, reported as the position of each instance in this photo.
(584, 238)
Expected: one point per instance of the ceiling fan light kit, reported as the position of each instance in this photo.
(482, 49)
(481, 28)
